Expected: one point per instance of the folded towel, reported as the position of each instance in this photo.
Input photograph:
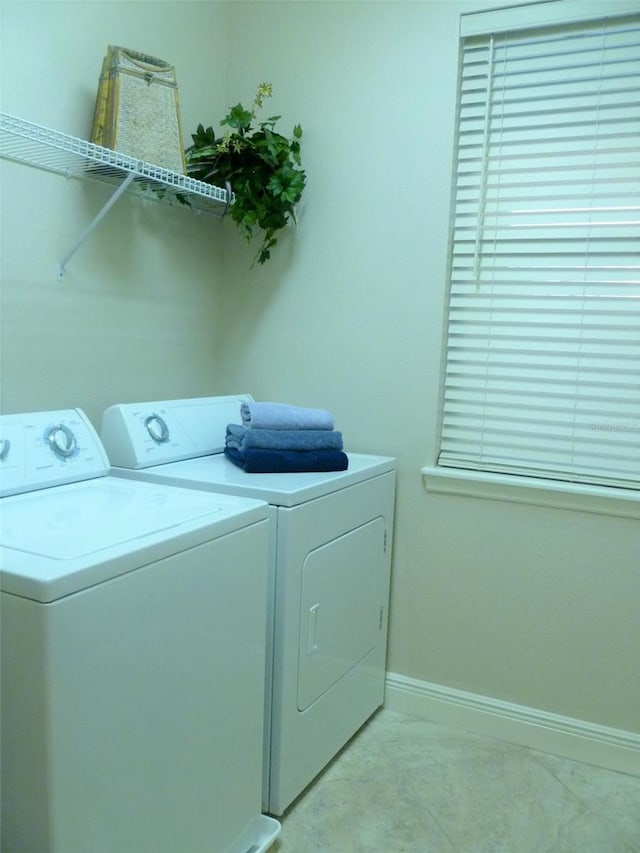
(242, 438)
(256, 461)
(284, 416)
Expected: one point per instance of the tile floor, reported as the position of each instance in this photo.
(404, 784)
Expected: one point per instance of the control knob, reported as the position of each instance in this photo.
(157, 428)
(61, 440)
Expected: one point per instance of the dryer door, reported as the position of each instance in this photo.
(341, 608)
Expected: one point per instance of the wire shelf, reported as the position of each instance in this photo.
(35, 145)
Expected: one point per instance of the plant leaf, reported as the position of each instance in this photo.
(238, 117)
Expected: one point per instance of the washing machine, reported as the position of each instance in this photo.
(329, 564)
(133, 621)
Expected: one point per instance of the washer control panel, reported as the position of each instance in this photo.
(43, 449)
(140, 435)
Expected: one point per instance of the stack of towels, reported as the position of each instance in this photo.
(277, 437)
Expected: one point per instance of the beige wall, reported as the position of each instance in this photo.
(526, 604)
(135, 317)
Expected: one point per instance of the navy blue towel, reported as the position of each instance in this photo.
(256, 461)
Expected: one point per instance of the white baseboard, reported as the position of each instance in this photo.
(579, 740)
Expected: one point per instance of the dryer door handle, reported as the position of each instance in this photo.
(312, 645)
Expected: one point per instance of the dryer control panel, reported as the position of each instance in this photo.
(140, 435)
(43, 449)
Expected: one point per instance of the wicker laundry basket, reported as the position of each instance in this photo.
(137, 110)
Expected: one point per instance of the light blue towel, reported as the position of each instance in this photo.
(284, 416)
(241, 438)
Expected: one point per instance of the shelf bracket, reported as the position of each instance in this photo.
(95, 222)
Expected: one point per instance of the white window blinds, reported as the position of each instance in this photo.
(543, 349)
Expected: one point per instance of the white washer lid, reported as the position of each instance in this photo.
(217, 473)
(59, 540)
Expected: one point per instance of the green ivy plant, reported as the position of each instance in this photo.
(260, 166)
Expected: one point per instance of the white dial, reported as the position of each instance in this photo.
(5, 444)
(157, 428)
(61, 440)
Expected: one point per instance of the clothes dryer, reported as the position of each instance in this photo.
(330, 551)
(133, 620)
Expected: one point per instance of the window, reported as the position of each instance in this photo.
(542, 374)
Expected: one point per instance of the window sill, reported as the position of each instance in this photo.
(551, 493)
